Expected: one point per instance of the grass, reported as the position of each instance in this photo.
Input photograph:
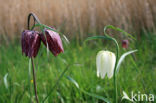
(81, 16)
(137, 73)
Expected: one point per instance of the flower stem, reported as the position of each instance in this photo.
(115, 89)
(34, 80)
(115, 78)
(107, 37)
(29, 79)
(35, 20)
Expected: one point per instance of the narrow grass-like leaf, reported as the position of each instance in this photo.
(42, 26)
(22, 95)
(85, 92)
(45, 26)
(117, 29)
(73, 81)
(16, 98)
(56, 83)
(96, 96)
(47, 48)
(29, 73)
(61, 34)
(123, 57)
(98, 37)
(66, 40)
(5, 80)
(35, 25)
(60, 97)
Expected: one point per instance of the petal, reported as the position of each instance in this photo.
(30, 43)
(98, 63)
(54, 42)
(36, 45)
(101, 63)
(104, 64)
(111, 63)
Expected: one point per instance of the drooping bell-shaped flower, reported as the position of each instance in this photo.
(125, 43)
(105, 63)
(53, 40)
(30, 43)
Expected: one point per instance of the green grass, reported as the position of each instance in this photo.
(137, 72)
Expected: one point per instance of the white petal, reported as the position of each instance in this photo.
(98, 63)
(104, 66)
(111, 64)
(105, 63)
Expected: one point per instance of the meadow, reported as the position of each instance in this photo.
(137, 73)
(78, 20)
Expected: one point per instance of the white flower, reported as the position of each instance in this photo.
(105, 63)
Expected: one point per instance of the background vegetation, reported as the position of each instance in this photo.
(77, 20)
(137, 73)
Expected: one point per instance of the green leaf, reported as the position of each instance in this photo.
(117, 29)
(35, 25)
(45, 26)
(85, 92)
(29, 68)
(96, 96)
(73, 81)
(122, 58)
(57, 82)
(5, 80)
(60, 97)
(61, 34)
(98, 37)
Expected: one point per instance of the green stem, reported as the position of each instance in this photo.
(29, 76)
(34, 76)
(34, 81)
(117, 56)
(114, 77)
(35, 20)
(107, 37)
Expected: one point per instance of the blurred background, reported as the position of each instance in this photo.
(78, 18)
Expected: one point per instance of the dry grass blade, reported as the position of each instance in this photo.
(81, 16)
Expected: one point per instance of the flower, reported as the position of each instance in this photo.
(53, 40)
(30, 43)
(105, 63)
(125, 43)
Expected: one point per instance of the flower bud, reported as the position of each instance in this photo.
(53, 40)
(105, 63)
(125, 44)
(30, 43)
